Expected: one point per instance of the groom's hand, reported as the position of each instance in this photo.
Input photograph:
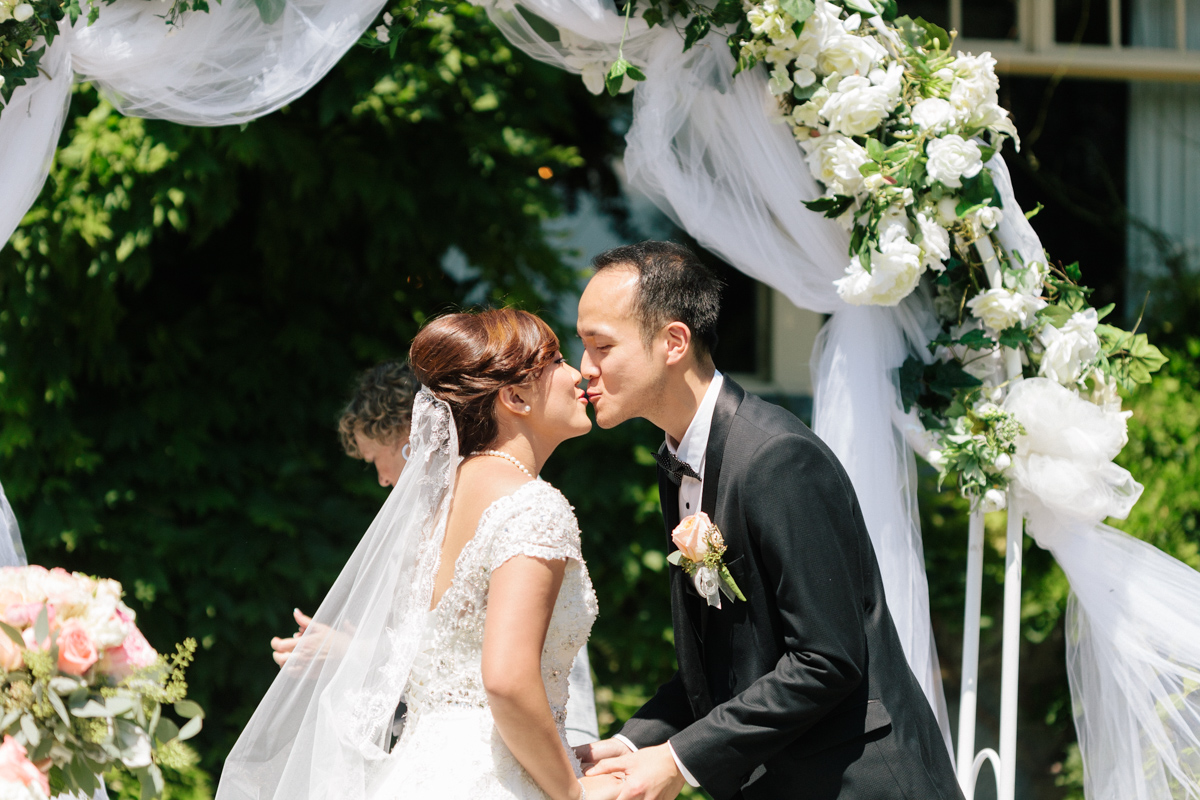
(593, 753)
(650, 773)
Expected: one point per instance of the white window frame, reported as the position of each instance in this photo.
(1035, 52)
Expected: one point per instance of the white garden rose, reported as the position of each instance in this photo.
(6, 11)
(857, 107)
(993, 500)
(932, 114)
(1001, 309)
(835, 163)
(952, 158)
(975, 83)
(1070, 349)
(895, 272)
(849, 55)
(947, 210)
(984, 219)
(1028, 279)
(935, 243)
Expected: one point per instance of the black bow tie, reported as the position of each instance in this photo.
(674, 468)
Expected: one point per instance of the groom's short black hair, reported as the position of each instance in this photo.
(673, 285)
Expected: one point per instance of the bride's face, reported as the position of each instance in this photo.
(559, 406)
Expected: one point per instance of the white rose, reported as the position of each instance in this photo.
(1028, 279)
(895, 272)
(975, 83)
(932, 113)
(985, 219)
(993, 500)
(835, 163)
(1003, 462)
(857, 107)
(1070, 348)
(952, 158)
(1000, 309)
(935, 242)
(849, 55)
(947, 210)
(5, 12)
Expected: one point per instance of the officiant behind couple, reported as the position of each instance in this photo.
(469, 595)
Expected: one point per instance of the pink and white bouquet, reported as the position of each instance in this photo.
(82, 689)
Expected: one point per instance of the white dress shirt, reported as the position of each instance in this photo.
(692, 449)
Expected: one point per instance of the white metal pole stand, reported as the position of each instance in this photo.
(1004, 763)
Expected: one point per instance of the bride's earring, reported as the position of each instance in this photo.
(526, 409)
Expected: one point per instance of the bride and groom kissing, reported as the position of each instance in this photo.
(469, 597)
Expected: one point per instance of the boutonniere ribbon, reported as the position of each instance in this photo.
(700, 555)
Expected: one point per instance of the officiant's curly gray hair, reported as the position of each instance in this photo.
(381, 408)
(673, 285)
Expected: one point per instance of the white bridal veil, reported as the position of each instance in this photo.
(326, 720)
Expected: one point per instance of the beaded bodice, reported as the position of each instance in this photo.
(535, 520)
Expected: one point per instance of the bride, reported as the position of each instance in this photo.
(467, 600)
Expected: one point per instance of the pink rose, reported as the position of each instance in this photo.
(24, 615)
(15, 766)
(76, 653)
(133, 654)
(691, 536)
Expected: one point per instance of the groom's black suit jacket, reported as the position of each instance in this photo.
(801, 691)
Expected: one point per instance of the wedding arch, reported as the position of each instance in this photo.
(849, 158)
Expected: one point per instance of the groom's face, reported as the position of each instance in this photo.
(622, 374)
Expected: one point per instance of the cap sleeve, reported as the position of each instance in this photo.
(536, 521)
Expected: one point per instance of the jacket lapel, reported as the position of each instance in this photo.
(727, 405)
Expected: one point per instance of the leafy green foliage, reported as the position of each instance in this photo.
(184, 311)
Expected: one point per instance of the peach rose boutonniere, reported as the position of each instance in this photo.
(700, 555)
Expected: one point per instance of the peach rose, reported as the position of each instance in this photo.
(691, 536)
(10, 654)
(76, 653)
(15, 767)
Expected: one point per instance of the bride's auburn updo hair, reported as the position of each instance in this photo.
(466, 359)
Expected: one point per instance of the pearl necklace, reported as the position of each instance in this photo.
(509, 457)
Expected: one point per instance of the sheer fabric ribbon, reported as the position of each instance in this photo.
(218, 68)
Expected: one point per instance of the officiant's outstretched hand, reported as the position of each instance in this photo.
(791, 678)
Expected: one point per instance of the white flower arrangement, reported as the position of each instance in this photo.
(899, 130)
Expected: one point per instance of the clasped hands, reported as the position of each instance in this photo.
(647, 774)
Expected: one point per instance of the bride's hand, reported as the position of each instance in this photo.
(603, 787)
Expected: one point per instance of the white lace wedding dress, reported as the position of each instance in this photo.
(449, 747)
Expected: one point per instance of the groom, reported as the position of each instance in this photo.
(801, 689)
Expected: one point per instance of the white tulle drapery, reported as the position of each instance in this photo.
(12, 550)
(218, 68)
